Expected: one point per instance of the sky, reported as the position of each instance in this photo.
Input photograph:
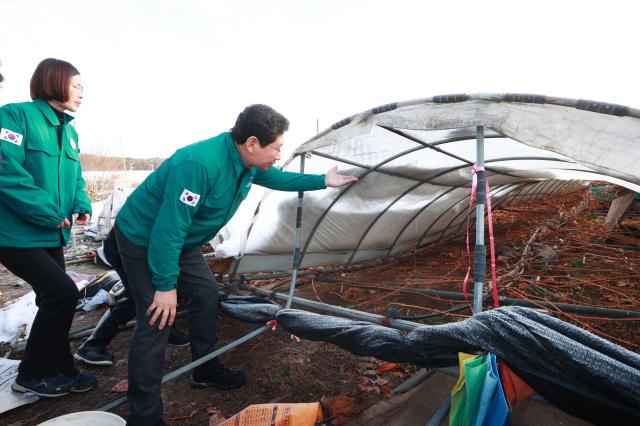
(161, 74)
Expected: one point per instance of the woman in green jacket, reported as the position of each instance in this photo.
(41, 191)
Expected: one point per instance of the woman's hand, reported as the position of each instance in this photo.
(64, 223)
(334, 179)
(164, 307)
(82, 218)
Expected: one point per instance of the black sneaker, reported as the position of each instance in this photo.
(216, 375)
(83, 382)
(178, 338)
(53, 386)
(94, 354)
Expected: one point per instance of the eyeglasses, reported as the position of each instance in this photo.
(79, 87)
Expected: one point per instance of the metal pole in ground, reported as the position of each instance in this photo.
(296, 246)
(112, 404)
(440, 414)
(346, 312)
(480, 253)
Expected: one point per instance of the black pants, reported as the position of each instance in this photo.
(47, 352)
(125, 310)
(146, 354)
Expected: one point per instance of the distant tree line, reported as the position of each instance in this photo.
(93, 162)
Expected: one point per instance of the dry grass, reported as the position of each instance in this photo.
(100, 186)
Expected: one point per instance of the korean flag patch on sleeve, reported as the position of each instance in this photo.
(189, 198)
(11, 137)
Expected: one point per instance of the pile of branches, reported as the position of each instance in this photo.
(550, 249)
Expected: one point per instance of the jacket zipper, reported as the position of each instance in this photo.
(60, 131)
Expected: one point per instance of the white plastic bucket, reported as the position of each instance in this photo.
(85, 418)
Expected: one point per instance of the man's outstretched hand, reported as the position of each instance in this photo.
(335, 180)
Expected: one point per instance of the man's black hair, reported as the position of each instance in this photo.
(261, 121)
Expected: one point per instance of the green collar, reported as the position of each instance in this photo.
(47, 111)
(234, 154)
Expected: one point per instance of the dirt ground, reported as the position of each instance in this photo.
(278, 369)
(583, 268)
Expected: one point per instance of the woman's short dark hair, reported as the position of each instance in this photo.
(261, 121)
(50, 80)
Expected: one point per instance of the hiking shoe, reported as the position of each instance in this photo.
(83, 382)
(52, 386)
(116, 293)
(94, 354)
(216, 375)
(178, 338)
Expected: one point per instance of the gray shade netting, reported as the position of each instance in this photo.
(366, 339)
(577, 371)
(253, 309)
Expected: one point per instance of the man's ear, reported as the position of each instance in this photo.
(251, 144)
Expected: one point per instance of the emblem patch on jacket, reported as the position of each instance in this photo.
(189, 198)
(73, 143)
(11, 137)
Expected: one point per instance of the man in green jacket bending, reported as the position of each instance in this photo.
(161, 227)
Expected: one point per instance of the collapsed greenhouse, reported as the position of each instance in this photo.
(431, 171)
(419, 165)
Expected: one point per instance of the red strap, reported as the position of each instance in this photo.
(472, 199)
(474, 186)
(273, 324)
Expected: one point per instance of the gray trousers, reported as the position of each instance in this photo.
(146, 354)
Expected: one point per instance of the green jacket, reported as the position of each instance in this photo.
(194, 193)
(40, 184)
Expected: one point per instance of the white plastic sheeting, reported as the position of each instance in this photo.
(17, 315)
(101, 223)
(8, 398)
(414, 162)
